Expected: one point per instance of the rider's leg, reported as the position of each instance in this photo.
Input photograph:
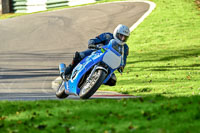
(112, 81)
(77, 58)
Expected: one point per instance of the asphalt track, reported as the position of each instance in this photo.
(32, 46)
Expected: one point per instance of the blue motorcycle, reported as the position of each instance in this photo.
(93, 71)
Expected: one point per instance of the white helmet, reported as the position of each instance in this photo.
(121, 34)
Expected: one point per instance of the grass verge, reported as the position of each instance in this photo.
(153, 115)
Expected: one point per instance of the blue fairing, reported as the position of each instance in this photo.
(85, 65)
(80, 70)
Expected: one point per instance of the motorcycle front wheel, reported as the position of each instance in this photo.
(60, 93)
(90, 87)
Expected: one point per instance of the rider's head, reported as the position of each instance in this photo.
(121, 34)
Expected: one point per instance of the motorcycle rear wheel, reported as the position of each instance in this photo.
(88, 89)
(60, 93)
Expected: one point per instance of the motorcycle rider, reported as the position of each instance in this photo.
(120, 34)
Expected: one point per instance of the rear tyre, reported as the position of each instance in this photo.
(60, 93)
(89, 88)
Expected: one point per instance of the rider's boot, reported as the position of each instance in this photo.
(112, 81)
(69, 69)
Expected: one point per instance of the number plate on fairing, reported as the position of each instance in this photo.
(112, 60)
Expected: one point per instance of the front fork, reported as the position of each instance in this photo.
(94, 69)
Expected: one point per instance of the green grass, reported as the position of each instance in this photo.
(163, 66)
(142, 115)
(164, 52)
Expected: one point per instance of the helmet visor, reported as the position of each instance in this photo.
(122, 37)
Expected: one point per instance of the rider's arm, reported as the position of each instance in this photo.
(126, 52)
(101, 39)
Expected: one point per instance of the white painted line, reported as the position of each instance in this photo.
(151, 8)
(56, 83)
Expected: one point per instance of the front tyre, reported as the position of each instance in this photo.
(60, 93)
(90, 87)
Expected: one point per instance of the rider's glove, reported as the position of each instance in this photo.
(121, 69)
(91, 44)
